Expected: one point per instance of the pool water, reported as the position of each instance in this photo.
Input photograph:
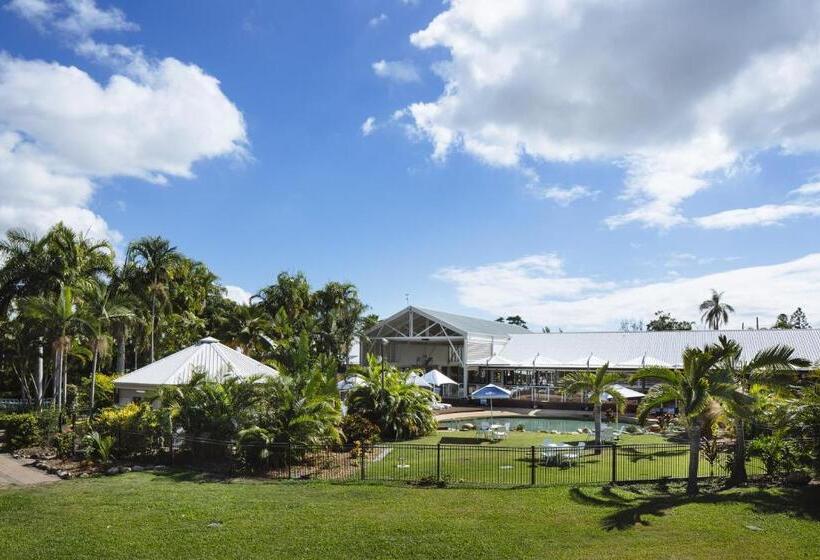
(531, 424)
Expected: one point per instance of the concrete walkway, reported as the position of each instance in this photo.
(14, 473)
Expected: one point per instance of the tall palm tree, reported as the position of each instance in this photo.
(772, 368)
(60, 313)
(715, 312)
(78, 260)
(156, 258)
(694, 387)
(102, 306)
(596, 385)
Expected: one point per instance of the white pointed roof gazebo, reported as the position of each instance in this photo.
(209, 355)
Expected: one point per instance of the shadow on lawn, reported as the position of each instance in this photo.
(634, 509)
(635, 455)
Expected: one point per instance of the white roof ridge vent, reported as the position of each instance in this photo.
(208, 340)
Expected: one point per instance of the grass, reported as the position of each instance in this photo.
(142, 515)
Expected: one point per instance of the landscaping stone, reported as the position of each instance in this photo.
(112, 470)
(138, 468)
(65, 475)
(124, 470)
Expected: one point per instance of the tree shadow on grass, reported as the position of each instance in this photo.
(635, 455)
(636, 507)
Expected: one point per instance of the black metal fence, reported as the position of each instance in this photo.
(454, 464)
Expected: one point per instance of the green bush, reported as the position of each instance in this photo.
(64, 444)
(98, 447)
(135, 427)
(358, 428)
(22, 430)
(780, 456)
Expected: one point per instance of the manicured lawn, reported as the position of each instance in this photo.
(143, 515)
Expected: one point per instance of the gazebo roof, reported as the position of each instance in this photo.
(216, 359)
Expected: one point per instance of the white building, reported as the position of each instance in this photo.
(208, 355)
(512, 356)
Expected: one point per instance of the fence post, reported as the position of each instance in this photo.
(532, 465)
(438, 462)
(362, 457)
(288, 459)
(614, 450)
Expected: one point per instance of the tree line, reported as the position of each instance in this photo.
(69, 308)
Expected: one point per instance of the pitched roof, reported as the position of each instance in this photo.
(218, 360)
(563, 349)
(472, 324)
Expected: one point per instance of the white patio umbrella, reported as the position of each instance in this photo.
(348, 383)
(491, 392)
(435, 378)
(418, 381)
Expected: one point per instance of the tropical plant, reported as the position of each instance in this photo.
(715, 311)
(400, 410)
(694, 388)
(99, 447)
(772, 368)
(596, 386)
(155, 258)
(664, 321)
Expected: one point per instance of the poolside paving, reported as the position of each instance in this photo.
(14, 473)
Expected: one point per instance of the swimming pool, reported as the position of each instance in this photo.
(531, 423)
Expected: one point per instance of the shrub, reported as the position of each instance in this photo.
(103, 393)
(253, 447)
(779, 455)
(64, 444)
(22, 430)
(136, 427)
(98, 447)
(358, 428)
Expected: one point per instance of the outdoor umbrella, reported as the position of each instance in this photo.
(435, 378)
(491, 392)
(418, 380)
(350, 382)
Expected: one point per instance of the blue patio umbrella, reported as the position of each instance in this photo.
(491, 392)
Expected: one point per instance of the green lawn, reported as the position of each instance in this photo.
(141, 515)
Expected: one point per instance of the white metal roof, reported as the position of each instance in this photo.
(622, 349)
(473, 325)
(218, 360)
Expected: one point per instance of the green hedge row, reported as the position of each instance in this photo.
(27, 429)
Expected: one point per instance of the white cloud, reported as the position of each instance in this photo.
(563, 196)
(679, 93)
(62, 131)
(396, 70)
(809, 189)
(376, 21)
(544, 294)
(368, 126)
(76, 17)
(237, 294)
(766, 215)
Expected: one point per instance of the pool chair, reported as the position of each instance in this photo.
(484, 430)
(502, 433)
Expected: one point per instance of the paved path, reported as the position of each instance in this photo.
(13, 472)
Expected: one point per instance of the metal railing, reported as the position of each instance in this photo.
(457, 464)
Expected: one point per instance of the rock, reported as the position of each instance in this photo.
(51, 470)
(159, 468)
(138, 468)
(753, 527)
(654, 428)
(798, 478)
(468, 426)
(65, 475)
(112, 470)
(84, 475)
(215, 524)
(124, 470)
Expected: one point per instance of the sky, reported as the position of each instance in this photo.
(576, 163)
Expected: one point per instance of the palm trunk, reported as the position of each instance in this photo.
(38, 388)
(55, 379)
(121, 351)
(739, 475)
(694, 457)
(94, 377)
(153, 324)
(597, 415)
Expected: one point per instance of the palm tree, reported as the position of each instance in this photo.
(595, 384)
(156, 258)
(102, 306)
(715, 312)
(60, 313)
(78, 260)
(400, 410)
(694, 388)
(772, 368)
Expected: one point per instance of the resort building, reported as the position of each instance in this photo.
(513, 357)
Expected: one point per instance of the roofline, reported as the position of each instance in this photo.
(420, 312)
(671, 331)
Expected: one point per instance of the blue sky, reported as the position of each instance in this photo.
(478, 220)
